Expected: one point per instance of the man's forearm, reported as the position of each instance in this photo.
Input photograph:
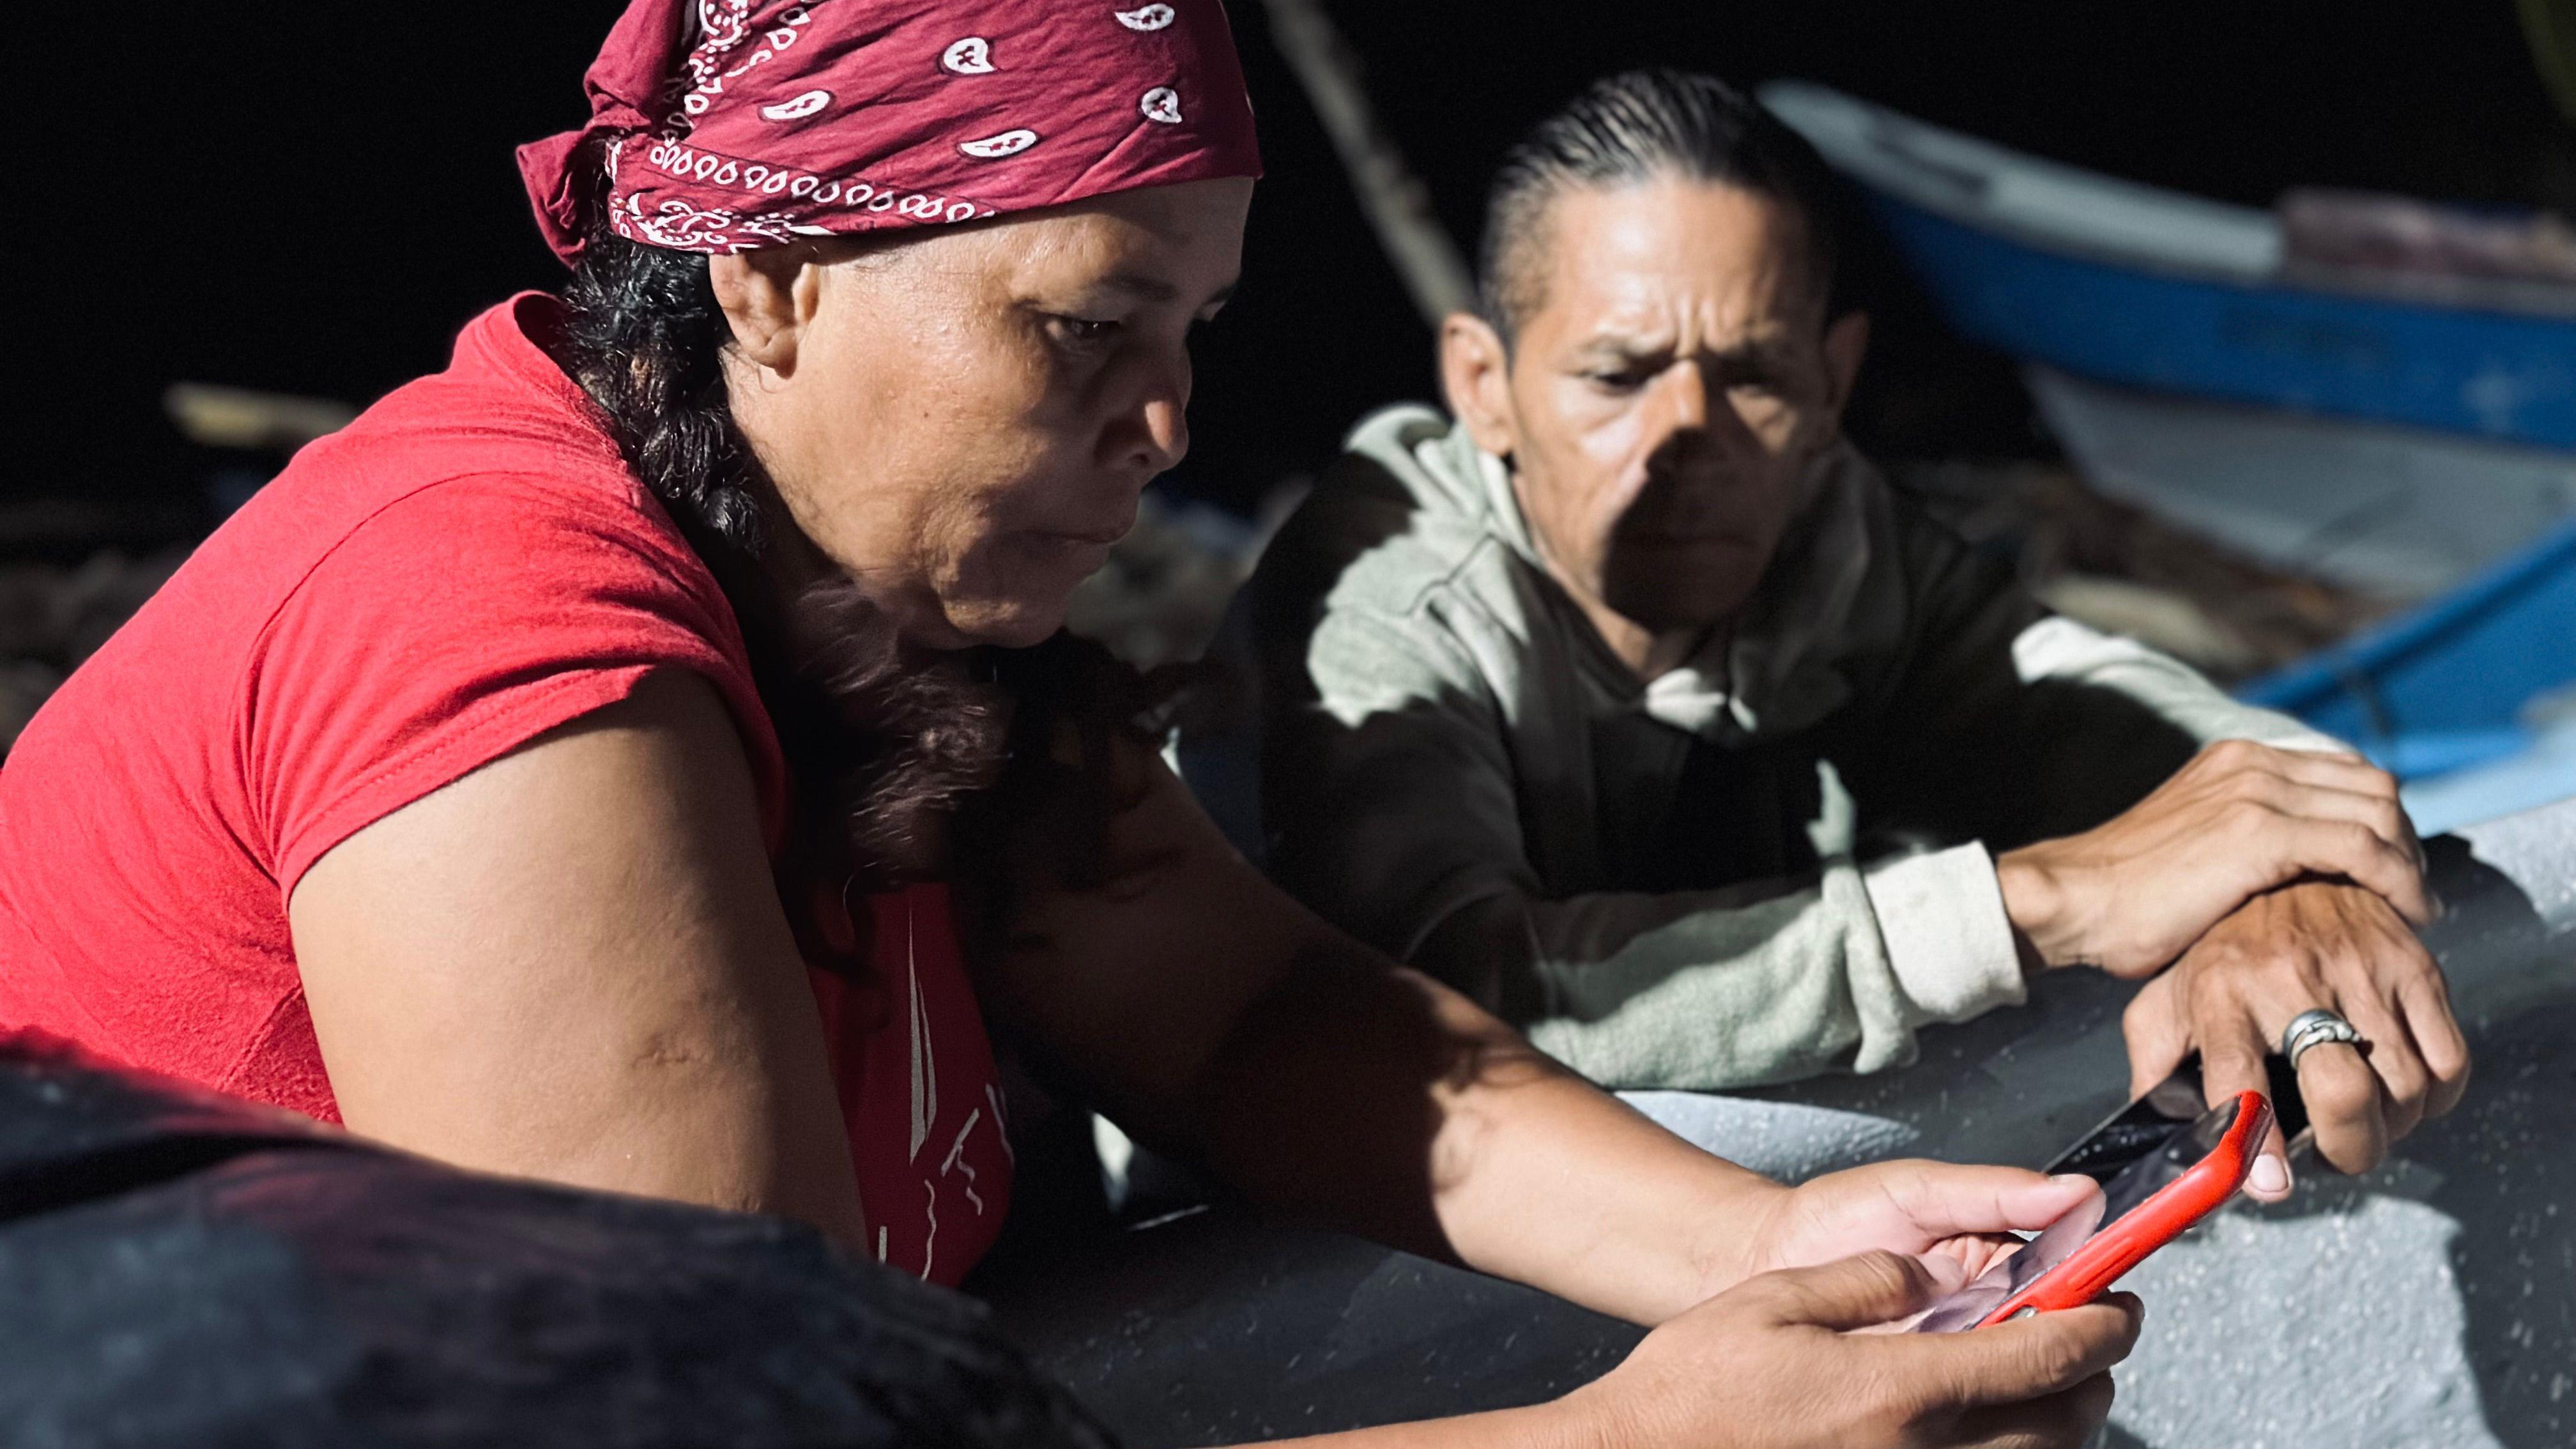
(1380, 1102)
(1762, 982)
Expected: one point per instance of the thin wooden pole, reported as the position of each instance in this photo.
(1393, 198)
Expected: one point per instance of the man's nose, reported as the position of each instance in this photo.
(1692, 405)
(1684, 398)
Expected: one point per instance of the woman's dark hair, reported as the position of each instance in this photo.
(893, 737)
(1634, 127)
(884, 743)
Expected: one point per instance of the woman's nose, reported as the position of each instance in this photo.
(1152, 433)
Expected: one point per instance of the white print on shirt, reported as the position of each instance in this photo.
(930, 1245)
(1008, 143)
(796, 108)
(971, 56)
(925, 1072)
(1163, 104)
(1151, 17)
(1001, 1123)
(957, 1160)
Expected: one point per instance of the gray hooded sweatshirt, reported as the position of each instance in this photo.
(1770, 862)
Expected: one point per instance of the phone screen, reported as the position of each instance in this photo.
(2162, 1163)
(2150, 1123)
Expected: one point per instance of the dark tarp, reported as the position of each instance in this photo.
(177, 1268)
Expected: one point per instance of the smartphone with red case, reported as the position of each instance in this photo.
(2150, 1203)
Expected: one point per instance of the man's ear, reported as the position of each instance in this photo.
(768, 296)
(1846, 342)
(1476, 374)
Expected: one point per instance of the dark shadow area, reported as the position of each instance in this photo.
(1218, 1329)
(331, 194)
(185, 1269)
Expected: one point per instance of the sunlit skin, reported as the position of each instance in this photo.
(962, 421)
(1661, 404)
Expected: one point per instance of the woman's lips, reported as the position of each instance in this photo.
(1088, 549)
(1096, 537)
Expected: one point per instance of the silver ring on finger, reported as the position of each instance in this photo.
(2313, 1028)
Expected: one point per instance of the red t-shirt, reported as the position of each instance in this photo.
(466, 566)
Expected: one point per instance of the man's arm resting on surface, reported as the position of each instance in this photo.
(1768, 981)
(571, 964)
(1396, 812)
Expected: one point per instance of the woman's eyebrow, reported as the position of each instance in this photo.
(1155, 289)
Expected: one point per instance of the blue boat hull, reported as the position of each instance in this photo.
(2495, 374)
(2452, 684)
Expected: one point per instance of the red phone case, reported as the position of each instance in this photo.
(2094, 1267)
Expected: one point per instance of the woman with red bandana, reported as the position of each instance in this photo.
(604, 760)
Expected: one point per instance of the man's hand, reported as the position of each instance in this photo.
(1775, 1364)
(2131, 894)
(2315, 944)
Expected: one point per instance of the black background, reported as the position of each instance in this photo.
(312, 198)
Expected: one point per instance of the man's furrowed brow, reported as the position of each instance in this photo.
(1622, 347)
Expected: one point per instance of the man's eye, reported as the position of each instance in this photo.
(1622, 380)
(1082, 331)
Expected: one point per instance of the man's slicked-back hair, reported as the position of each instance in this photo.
(1638, 126)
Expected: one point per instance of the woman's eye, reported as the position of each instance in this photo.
(1083, 331)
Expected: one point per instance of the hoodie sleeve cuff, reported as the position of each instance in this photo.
(1948, 940)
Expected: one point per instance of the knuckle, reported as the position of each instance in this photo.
(2404, 1072)
(1905, 1398)
(2234, 754)
(2144, 1015)
(2247, 813)
(2054, 1358)
(2414, 967)
(2343, 1095)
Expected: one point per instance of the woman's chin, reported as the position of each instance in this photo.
(1006, 623)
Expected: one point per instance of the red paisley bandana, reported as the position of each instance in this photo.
(734, 124)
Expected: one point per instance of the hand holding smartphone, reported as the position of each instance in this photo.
(2146, 1205)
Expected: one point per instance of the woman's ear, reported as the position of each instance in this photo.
(768, 296)
(1476, 375)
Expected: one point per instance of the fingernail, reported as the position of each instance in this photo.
(2271, 1176)
(2071, 1179)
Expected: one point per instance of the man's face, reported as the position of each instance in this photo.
(1667, 393)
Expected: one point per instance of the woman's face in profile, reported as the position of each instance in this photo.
(966, 419)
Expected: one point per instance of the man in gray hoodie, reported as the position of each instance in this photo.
(1630, 698)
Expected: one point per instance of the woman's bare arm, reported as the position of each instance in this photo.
(1214, 1017)
(571, 964)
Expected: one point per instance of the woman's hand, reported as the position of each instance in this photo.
(2132, 894)
(1964, 1214)
(1777, 1364)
